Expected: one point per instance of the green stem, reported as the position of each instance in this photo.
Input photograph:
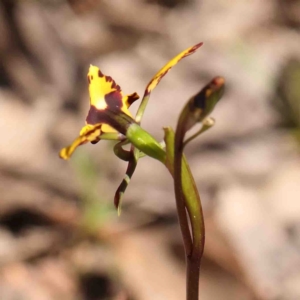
(132, 163)
(193, 206)
(180, 201)
(206, 124)
(185, 190)
(187, 197)
(122, 153)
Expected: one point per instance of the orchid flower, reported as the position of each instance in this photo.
(107, 102)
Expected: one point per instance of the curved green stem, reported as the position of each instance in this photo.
(132, 163)
(180, 201)
(122, 153)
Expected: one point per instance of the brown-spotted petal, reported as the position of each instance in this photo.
(164, 70)
(129, 99)
(88, 133)
(105, 94)
(100, 86)
(160, 74)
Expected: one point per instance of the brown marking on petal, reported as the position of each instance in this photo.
(100, 74)
(95, 141)
(131, 98)
(88, 78)
(108, 117)
(100, 86)
(105, 93)
(94, 116)
(161, 76)
(194, 48)
(113, 83)
(108, 79)
(113, 100)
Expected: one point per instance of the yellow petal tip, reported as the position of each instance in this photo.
(64, 153)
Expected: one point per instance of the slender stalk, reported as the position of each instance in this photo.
(186, 193)
(180, 201)
(187, 197)
(196, 219)
(196, 110)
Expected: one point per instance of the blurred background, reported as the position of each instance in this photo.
(60, 237)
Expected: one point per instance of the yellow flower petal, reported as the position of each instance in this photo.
(107, 129)
(100, 86)
(164, 70)
(105, 94)
(88, 133)
(159, 75)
